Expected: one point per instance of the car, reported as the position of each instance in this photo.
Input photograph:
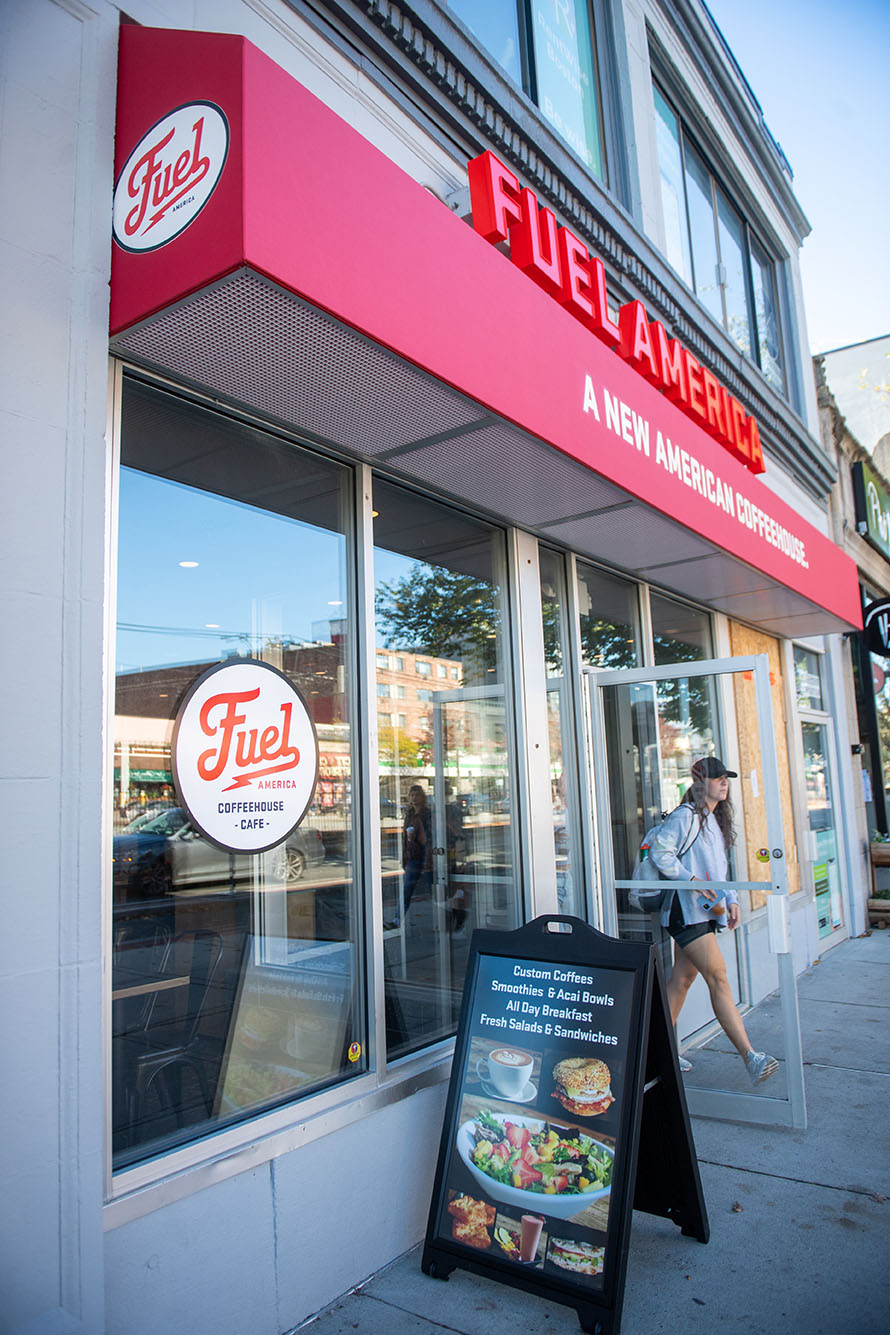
(167, 851)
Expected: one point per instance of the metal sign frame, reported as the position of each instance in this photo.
(611, 995)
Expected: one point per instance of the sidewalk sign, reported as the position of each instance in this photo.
(565, 1113)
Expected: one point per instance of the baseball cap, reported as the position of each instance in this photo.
(711, 767)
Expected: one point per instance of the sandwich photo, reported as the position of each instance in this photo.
(580, 1257)
(583, 1085)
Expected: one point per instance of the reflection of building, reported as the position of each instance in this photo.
(146, 703)
(407, 684)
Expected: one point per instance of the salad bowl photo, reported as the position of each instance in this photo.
(535, 1165)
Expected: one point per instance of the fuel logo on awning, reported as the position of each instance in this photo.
(170, 176)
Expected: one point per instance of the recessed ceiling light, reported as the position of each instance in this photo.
(188, 565)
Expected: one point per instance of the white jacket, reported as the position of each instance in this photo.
(705, 858)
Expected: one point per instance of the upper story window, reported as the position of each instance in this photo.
(549, 48)
(713, 249)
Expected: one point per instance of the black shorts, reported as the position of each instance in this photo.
(683, 932)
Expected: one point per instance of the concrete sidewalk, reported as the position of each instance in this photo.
(800, 1221)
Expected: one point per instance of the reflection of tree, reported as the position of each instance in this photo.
(550, 615)
(686, 700)
(607, 644)
(441, 613)
(399, 748)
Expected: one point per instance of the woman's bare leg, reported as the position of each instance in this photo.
(683, 975)
(703, 954)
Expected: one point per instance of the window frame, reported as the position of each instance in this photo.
(602, 79)
(134, 1190)
(752, 241)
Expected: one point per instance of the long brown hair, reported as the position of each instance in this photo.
(723, 812)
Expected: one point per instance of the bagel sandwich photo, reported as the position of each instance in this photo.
(583, 1085)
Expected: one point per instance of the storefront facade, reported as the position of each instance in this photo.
(860, 521)
(431, 494)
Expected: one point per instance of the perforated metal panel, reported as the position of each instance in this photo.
(511, 474)
(252, 343)
(632, 538)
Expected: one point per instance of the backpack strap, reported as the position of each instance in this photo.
(686, 847)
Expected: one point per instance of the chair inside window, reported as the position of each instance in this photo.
(141, 945)
(175, 1040)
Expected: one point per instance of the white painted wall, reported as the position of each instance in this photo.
(257, 1253)
(57, 66)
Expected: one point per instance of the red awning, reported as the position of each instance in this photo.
(319, 284)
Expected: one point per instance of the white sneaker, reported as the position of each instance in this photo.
(760, 1066)
(685, 1065)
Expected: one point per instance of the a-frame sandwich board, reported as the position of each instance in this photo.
(565, 1113)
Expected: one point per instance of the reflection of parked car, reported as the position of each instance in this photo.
(151, 856)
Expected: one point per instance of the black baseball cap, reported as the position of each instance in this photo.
(711, 767)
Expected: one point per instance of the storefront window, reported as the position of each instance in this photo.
(880, 687)
(808, 679)
(607, 609)
(236, 976)
(549, 49)
(563, 783)
(687, 707)
(822, 817)
(680, 634)
(446, 778)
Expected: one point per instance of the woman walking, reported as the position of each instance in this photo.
(691, 848)
(417, 845)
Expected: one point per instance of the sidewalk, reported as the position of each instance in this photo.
(809, 1249)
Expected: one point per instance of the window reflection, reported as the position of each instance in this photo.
(766, 311)
(673, 192)
(563, 783)
(446, 790)
(235, 976)
(735, 284)
(556, 44)
(680, 634)
(686, 705)
(607, 609)
(496, 24)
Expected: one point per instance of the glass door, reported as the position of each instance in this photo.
(647, 727)
(823, 832)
